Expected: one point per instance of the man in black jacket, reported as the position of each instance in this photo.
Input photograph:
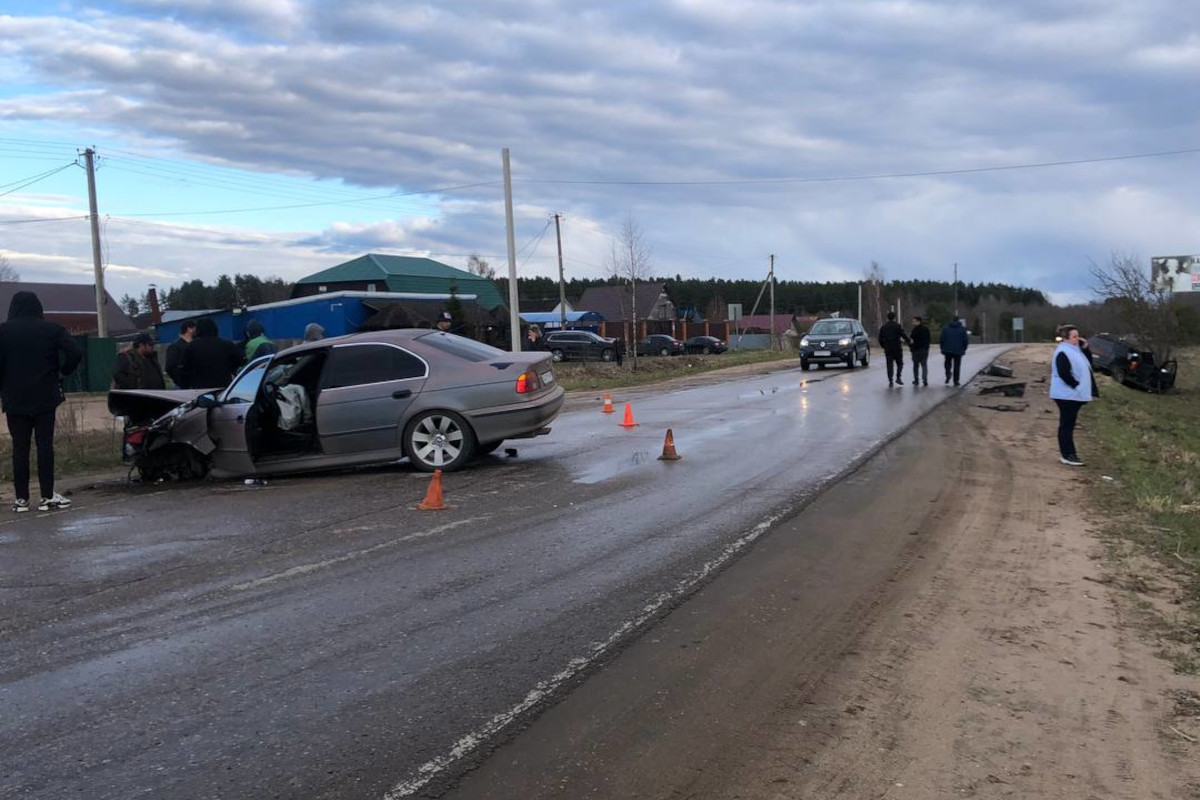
(891, 339)
(34, 357)
(137, 367)
(210, 362)
(187, 332)
(918, 345)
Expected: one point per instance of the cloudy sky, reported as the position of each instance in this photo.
(284, 136)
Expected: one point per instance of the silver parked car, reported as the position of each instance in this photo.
(436, 398)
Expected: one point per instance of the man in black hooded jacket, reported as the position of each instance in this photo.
(210, 362)
(892, 338)
(34, 356)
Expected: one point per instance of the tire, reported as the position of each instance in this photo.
(866, 359)
(664, 352)
(707, 351)
(804, 364)
(850, 360)
(557, 355)
(439, 440)
(606, 354)
(1118, 375)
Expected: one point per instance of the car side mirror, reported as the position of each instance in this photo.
(207, 400)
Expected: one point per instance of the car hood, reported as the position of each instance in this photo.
(148, 404)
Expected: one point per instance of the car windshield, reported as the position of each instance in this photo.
(245, 386)
(466, 349)
(830, 328)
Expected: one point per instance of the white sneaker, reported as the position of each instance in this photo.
(20, 506)
(1071, 461)
(57, 501)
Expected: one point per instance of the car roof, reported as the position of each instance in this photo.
(399, 336)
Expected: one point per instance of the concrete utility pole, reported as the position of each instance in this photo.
(562, 284)
(514, 312)
(97, 264)
(860, 302)
(956, 288)
(771, 277)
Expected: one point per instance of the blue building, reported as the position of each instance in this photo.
(339, 313)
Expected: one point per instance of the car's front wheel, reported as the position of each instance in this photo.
(804, 364)
(439, 440)
(850, 360)
(866, 359)
(707, 351)
(606, 354)
(556, 354)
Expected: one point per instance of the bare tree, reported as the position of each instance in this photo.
(8, 274)
(477, 266)
(630, 263)
(1143, 304)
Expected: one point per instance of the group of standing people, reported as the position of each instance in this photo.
(892, 338)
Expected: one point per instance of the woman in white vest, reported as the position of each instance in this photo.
(1072, 384)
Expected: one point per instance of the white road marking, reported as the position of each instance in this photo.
(469, 742)
(304, 569)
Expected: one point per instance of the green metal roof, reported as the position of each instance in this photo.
(408, 274)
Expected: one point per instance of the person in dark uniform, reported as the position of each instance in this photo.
(918, 346)
(210, 362)
(35, 354)
(892, 338)
(187, 332)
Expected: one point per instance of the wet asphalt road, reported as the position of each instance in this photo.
(318, 638)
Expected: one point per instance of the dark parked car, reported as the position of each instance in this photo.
(580, 346)
(436, 398)
(704, 344)
(835, 341)
(659, 344)
(1129, 364)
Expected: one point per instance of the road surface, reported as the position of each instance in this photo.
(319, 638)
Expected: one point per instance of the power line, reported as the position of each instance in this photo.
(31, 180)
(41, 219)
(870, 177)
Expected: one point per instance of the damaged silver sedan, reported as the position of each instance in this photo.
(437, 399)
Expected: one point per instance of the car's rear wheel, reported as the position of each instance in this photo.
(439, 440)
(606, 354)
(556, 354)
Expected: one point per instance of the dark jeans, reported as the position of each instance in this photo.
(895, 359)
(1068, 413)
(953, 367)
(22, 428)
(920, 364)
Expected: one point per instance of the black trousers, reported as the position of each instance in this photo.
(1068, 414)
(22, 428)
(920, 364)
(953, 367)
(895, 359)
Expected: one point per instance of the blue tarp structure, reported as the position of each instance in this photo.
(583, 320)
(339, 313)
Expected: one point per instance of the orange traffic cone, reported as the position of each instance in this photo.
(433, 496)
(669, 453)
(608, 408)
(629, 423)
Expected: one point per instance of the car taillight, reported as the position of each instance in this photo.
(528, 382)
(135, 437)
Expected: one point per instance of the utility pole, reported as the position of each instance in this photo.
(633, 268)
(771, 277)
(562, 284)
(97, 264)
(956, 289)
(514, 313)
(860, 302)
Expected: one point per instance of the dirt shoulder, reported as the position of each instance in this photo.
(942, 623)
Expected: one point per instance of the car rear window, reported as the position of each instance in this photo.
(461, 347)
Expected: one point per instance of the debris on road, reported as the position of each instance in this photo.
(998, 370)
(1006, 389)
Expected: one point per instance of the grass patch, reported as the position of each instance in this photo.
(76, 451)
(1151, 444)
(590, 375)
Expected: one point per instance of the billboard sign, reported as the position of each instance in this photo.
(1176, 273)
